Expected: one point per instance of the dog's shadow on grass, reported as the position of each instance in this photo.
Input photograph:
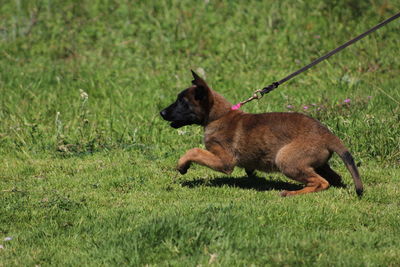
(255, 183)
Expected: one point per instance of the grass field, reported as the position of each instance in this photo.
(87, 165)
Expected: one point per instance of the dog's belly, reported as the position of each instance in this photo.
(260, 163)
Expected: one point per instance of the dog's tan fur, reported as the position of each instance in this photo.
(292, 143)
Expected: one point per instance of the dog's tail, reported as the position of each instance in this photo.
(348, 160)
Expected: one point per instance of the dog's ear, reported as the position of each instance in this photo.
(202, 89)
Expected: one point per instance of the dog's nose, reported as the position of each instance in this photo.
(163, 113)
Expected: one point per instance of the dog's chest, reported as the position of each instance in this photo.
(256, 158)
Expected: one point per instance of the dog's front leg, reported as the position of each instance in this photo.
(218, 162)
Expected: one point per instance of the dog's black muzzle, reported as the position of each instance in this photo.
(163, 114)
(179, 114)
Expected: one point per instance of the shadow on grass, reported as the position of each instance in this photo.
(255, 183)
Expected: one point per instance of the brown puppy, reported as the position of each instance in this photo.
(292, 143)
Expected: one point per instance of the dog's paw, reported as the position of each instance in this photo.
(183, 165)
(182, 169)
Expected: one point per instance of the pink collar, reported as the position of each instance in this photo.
(236, 107)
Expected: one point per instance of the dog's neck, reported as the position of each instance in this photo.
(219, 108)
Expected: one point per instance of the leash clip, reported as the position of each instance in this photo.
(258, 94)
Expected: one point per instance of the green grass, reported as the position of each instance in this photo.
(92, 181)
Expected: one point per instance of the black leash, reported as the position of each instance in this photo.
(274, 85)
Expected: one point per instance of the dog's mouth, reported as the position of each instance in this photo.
(177, 124)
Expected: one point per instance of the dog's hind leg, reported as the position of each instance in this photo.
(295, 160)
(217, 160)
(313, 182)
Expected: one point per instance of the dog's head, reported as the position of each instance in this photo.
(192, 105)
